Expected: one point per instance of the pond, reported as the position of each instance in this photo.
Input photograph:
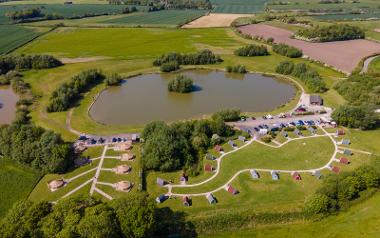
(8, 100)
(142, 99)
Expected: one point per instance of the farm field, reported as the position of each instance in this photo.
(342, 17)
(214, 20)
(25, 2)
(330, 53)
(160, 18)
(315, 5)
(14, 36)
(16, 183)
(238, 6)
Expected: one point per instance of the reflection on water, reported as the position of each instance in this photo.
(145, 98)
(8, 100)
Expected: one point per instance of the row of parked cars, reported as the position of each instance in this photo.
(278, 126)
(101, 140)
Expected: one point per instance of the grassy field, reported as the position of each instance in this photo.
(361, 220)
(14, 36)
(161, 18)
(16, 182)
(26, 2)
(238, 6)
(315, 153)
(374, 67)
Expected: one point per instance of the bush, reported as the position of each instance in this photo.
(113, 79)
(227, 115)
(67, 93)
(180, 84)
(288, 51)
(362, 117)
(236, 69)
(335, 32)
(169, 66)
(252, 50)
(285, 68)
(266, 139)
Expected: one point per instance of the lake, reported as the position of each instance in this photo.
(142, 99)
(8, 100)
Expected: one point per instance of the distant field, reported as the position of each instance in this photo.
(67, 11)
(333, 17)
(169, 17)
(238, 6)
(54, 2)
(15, 184)
(315, 5)
(14, 36)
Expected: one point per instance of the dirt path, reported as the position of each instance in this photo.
(366, 64)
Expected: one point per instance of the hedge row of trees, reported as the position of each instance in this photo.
(227, 115)
(252, 50)
(286, 50)
(337, 191)
(308, 75)
(180, 145)
(181, 84)
(337, 32)
(24, 62)
(81, 217)
(241, 69)
(363, 116)
(174, 60)
(67, 93)
(26, 13)
(113, 79)
(172, 4)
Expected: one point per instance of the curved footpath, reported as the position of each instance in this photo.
(366, 64)
(258, 169)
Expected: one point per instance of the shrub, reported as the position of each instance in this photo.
(362, 117)
(252, 50)
(286, 50)
(227, 115)
(266, 139)
(285, 68)
(8, 63)
(236, 69)
(180, 84)
(200, 58)
(113, 79)
(169, 66)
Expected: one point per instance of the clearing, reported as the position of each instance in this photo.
(334, 54)
(215, 20)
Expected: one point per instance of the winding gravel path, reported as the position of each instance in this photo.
(366, 64)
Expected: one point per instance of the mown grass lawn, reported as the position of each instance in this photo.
(296, 155)
(16, 182)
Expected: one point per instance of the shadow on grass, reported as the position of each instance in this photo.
(173, 224)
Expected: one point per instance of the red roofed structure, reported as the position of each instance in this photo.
(344, 160)
(335, 169)
(296, 176)
(208, 168)
(218, 148)
(231, 190)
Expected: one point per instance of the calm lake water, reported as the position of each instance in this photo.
(145, 98)
(8, 100)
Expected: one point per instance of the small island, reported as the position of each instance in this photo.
(181, 84)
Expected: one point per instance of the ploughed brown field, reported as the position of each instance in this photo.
(342, 55)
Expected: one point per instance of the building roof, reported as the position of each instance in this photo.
(344, 160)
(210, 198)
(208, 167)
(231, 143)
(161, 182)
(55, 184)
(335, 169)
(296, 176)
(346, 142)
(340, 132)
(254, 174)
(231, 190)
(218, 148)
(316, 99)
(275, 175)
(122, 169)
(347, 152)
(127, 157)
(123, 186)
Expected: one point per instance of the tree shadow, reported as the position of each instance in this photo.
(196, 88)
(173, 224)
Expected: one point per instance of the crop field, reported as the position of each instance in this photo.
(16, 183)
(238, 6)
(330, 53)
(168, 17)
(67, 11)
(14, 36)
(342, 17)
(315, 5)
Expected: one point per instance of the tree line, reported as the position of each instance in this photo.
(172, 61)
(336, 32)
(25, 62)
(181, 145)
(171, 4)
(24, 14)
(308, 75)
(64, 96)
